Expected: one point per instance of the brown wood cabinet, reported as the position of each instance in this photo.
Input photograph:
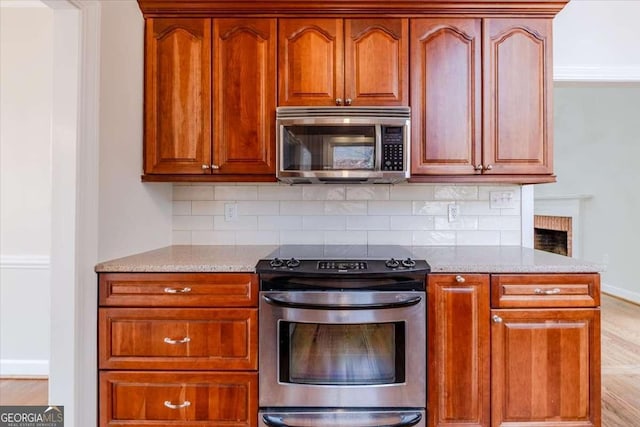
(178, 349)
(210, 99)
(458, 350)
(343, 62)
(545, 362)
(505, 133)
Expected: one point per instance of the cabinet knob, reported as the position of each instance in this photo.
(488, 167)
(170, 405)
(496, 319)
(478, 168)
(338, 101)
(348, 101)
(205, 167)
(460, 279)
(180, 341)
(215, 167)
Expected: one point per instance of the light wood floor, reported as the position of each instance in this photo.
(620, 369)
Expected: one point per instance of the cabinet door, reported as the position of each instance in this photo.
(244, 96)
(446, 96)
(458, 350)
(376, 61)
(545, 367)
(310, 61)
(517, 100)
(177, 132)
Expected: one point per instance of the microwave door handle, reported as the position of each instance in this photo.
(379, 149)
(407, 302)
(406, 420)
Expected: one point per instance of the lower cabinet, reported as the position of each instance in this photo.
(530, 358)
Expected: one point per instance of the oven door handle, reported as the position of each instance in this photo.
(406, 420)
(413, 300)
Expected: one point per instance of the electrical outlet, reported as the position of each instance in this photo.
(502, 200)
(230, 212)
(454, 212)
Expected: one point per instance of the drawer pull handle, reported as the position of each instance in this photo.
(184, 290)
(170, 405)
(553, 291)
(182, 341)
(460, 279)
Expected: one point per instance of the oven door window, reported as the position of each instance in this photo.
(328, 148)
(342, 354)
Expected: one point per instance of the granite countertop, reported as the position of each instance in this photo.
(443, 259)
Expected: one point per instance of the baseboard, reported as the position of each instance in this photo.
(30, 262)
(625, 294)
(24, 368)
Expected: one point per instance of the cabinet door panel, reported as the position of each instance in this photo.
(177, 101)
(310, 61)
(458, 350)
(546, 367)
(376, 61)
(446, 96)
(518, 84)
(244, 96)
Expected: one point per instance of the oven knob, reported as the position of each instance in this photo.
(293, 263)
(408, 263)
(276, 262)
(392, 263)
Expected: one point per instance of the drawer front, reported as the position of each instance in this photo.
(178, 289)
(182, 339)
(178, 399)
(545, 290)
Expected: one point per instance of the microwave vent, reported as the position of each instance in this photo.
(355, 112)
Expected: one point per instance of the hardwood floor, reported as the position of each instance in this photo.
(620, 369)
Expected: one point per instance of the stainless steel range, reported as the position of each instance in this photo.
(342, 337)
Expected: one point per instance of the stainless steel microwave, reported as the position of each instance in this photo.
(343, 144)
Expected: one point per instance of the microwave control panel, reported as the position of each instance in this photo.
(392, 148)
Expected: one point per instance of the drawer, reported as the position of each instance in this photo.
(178, 289)
(180, 339)
(545, 290)
(137, 399)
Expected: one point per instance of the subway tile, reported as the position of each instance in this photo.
(242, 223)
(301, 238)
(456, 192)
(258, 207)
(389, 237)
(489, 223)
(477, 238)
(511, 212)
(476, 208)
(433, 238)
(323, 192)
(389, 207)
(236, 192)
(462, 223)
(366, 222)
(192, 192)
(253, 237)
(180, 237)
(429, 208)
(291, 207)
(207, 207)
(213, 238)
(277, 222)
(345, 238)
(193, 222)
(411, 192)
(412, 222)
(345, 208)
(181, 207)
(324, 223)
(280, 192)
(510, 238)
(368, 192)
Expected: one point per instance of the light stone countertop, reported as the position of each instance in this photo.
(443, 259)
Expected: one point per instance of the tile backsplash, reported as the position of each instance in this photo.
(405, 214)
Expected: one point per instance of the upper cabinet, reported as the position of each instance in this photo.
(210, 99)
(343, 62)
(481, 99)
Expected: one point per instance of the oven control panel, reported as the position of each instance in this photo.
(342, 265)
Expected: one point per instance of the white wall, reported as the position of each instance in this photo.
(133, 216)
(25, 194)
(597, 147)
(597, 40)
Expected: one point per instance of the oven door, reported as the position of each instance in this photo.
(342, 349)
